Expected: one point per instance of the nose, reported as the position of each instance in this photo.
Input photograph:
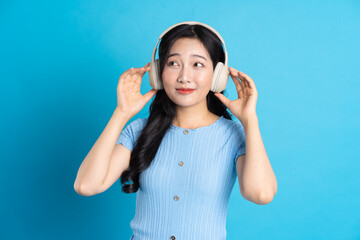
(185, 75)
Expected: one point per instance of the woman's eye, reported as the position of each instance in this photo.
(171, 63)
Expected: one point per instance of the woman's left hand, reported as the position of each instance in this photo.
(245, 106)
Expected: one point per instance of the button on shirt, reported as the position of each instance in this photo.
(184, 193)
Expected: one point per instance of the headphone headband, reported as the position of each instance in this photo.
(192, 23)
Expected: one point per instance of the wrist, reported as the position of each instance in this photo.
(249, 119)
(123, 114)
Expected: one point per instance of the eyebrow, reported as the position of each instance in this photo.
(194, 55)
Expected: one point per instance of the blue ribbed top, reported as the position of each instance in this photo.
(184, 194)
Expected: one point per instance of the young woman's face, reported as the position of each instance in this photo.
(188, 66)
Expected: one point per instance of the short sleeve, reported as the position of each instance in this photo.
(240, 141)
(131, 133)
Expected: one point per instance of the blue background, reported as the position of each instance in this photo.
(60, 64)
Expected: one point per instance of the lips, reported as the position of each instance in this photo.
(185, 90)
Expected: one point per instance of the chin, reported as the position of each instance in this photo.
(182, 103)
(185, 102)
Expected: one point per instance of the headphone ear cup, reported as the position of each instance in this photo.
(220, 78)
(154, 75)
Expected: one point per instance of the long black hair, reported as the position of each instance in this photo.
(162, 108)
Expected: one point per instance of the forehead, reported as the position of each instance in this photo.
(189, 46)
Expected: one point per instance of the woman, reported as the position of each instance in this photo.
(184, 158)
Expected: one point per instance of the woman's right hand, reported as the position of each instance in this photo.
(129, 98)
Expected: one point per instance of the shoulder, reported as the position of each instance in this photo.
(140, 122)
(231, 129)
(231, 125)
(136, 125)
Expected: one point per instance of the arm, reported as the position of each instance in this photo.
(105, 162)
(93, 170)
(255, 174)
(257, 179)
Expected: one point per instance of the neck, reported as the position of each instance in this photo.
(194, 116)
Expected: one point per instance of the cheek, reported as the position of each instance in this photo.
(167, 77)
(167, 83)
(205, 81)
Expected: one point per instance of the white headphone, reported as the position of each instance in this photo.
(220, 75)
